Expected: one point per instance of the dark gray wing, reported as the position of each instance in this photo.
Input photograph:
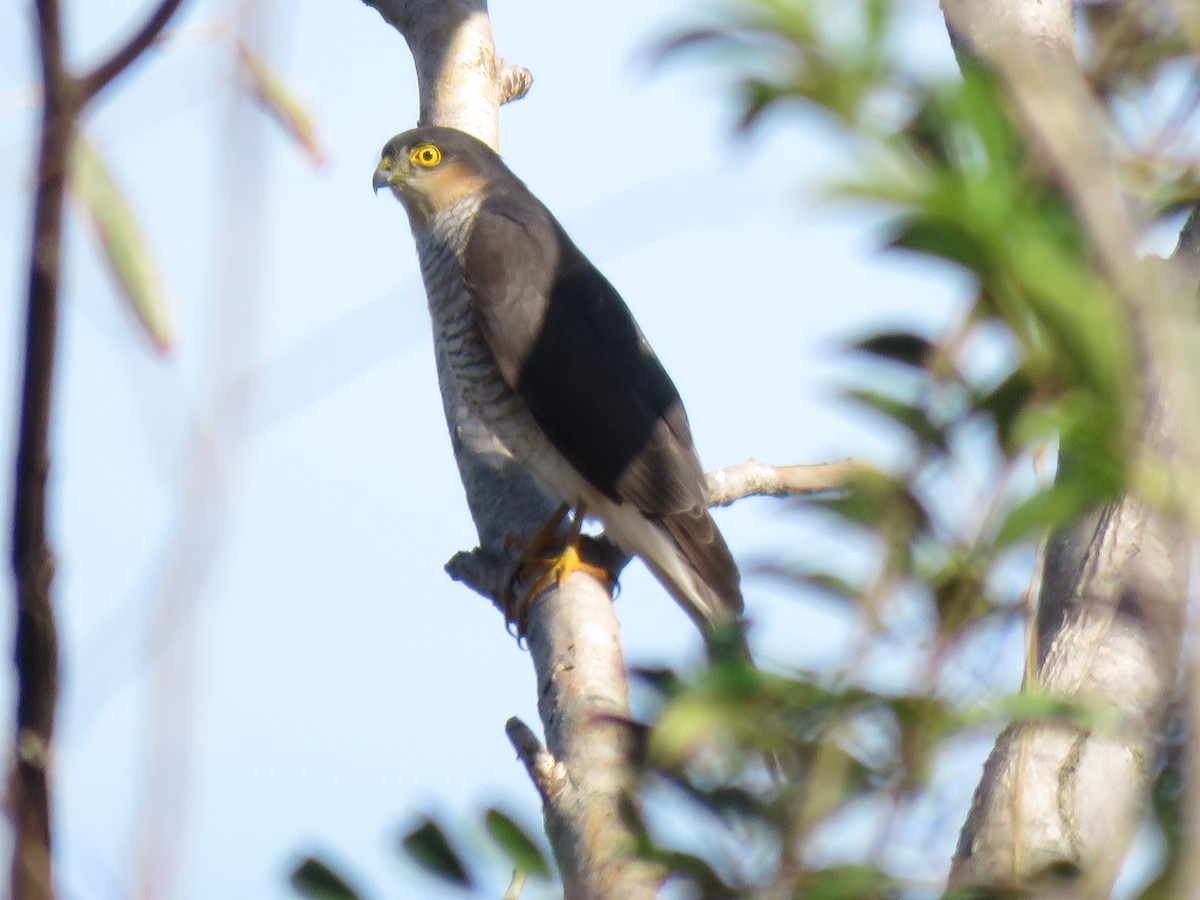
(567, 343)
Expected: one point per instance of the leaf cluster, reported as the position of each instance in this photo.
(1040, 365)
(432, 847)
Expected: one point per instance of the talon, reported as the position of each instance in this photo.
(531, 551)
(555, 567)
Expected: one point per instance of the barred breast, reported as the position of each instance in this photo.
(481, 385)
(486, 394)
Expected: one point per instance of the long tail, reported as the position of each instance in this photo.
(710, 589)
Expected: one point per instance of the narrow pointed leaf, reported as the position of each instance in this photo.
(905, 414)
(315, 879)
(428, 846)
(1050, 509)
(275, 98)
(846, 883)
(101, 201)
(513, 840)
(899, 346)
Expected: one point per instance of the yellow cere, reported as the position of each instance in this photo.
(425, 155)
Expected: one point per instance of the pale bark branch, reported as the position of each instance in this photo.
(571, 629)
(487, 572)
(1056, 806)
(754, 478)
(546, 773)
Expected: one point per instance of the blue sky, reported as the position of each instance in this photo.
(317, 677)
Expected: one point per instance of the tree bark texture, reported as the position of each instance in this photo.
(583, 772)
(1056, 807)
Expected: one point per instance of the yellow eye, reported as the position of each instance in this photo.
(425, 155)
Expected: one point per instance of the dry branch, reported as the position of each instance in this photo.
(754, 478)
(487, 572)
(36, 655)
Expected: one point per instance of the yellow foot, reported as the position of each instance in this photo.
(555, 568)
(543, 539)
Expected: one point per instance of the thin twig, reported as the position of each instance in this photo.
(95, 81)
(36, 656)
(547, 773)
(487, 572)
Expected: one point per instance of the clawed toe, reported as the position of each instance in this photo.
(555, 559)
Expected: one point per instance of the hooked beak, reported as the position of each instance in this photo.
(383, 175)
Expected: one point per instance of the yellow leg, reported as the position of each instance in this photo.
(543, 539)
(555, 567)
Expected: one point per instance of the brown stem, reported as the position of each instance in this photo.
(95, 81)
(36, 650)
(36, 653)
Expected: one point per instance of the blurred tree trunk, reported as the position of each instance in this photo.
(1057, 806)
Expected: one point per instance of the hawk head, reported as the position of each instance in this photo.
(432, 169)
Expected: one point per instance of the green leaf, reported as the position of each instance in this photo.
(727, 703)
(902, 347)
(959, 593)
(1051, 509)
(878, 502)
(691, 868)
(923, 722)
(730, 803)
(1089, 715)
(845, 883)
(1005, 403)
(428, 846)
(826, 583)
(513, 840)
(756, 97)
(121, 243)
(947, 239)
(908, 415)
(281, 104)
(317, 880)
(663, 681)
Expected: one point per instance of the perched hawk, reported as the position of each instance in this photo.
(547, 354)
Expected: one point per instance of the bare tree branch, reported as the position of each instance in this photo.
(32, 558)
(487, 572)
(95, 81)
(754, 478)
(571, 629)
(36, 656)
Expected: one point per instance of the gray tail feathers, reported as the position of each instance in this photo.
(714, 598)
